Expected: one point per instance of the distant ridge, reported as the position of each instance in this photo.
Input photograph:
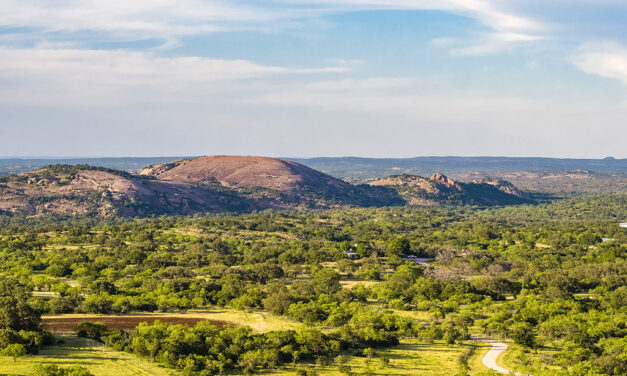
(226, 184)
(357, 167)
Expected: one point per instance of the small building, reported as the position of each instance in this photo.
(623, 225)
(424, 262)
(351, 255)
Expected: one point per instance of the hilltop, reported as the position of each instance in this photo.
(277, 182)
(228, 184)
(242, 171)
(418, 190)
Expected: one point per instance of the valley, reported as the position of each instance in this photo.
(231, 265)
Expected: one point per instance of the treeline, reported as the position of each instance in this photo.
(20, 330)
(208, 350)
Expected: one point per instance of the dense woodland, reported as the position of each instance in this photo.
(550, 276)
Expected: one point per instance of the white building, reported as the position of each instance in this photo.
(351, 255)
(624, 224)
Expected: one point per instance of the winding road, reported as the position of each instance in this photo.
(489, 359)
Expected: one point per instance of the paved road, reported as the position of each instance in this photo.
(489, 359)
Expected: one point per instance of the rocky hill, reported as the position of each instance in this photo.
(503, 186)
(275, 182)
(85, 190)
(418, 190)
(227, 184)
(248, 172)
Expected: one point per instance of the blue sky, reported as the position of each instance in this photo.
(393, 78)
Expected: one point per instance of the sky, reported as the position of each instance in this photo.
(305, 78)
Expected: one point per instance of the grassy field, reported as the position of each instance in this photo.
(79, 351)
(409, 358)
(528, 361)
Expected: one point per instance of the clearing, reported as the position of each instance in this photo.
(99, 360)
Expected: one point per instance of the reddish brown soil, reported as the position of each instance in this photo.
(67, 324)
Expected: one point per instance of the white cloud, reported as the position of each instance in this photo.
(131, 19)
(489, 44)
(606, 59)
(491, 13)
(169, 19)
(71, 77)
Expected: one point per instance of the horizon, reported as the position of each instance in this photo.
(309, 157)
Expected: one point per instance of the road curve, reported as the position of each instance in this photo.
(489, 359)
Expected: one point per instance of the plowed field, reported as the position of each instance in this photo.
(67, 324)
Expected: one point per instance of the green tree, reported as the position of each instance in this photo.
(15, 312)
(326, 281)
(14, 350)
(399, 246)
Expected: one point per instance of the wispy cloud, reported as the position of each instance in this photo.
(169, 19)
(506, 25)
(132, 19)
(70, 77)
(604, 59)
(484, 44)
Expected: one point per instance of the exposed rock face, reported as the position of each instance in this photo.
(503, 186)
(249, 172)
(273, 182)
(75, 191)
(225, 184)
(417, 190)
(437, 185)
(208, 184)
(442, 183)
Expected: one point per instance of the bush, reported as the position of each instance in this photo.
(53, 370)
(91, 330)
(14, 350)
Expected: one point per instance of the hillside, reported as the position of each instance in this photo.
(418, 190)
(240, 171)
(208, 184)
(85, 190)
(227, 184)
(277, 182)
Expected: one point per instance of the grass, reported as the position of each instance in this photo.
(528, 361)
(422, 317)
(410, 358)
(83, 352)
(350, 283)
(258, 320)
(407, 359)
(475, 360)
